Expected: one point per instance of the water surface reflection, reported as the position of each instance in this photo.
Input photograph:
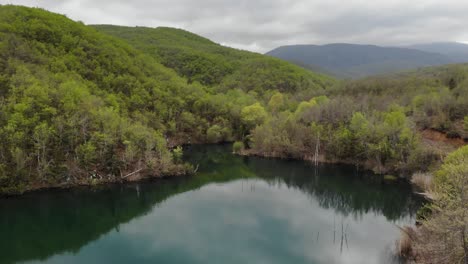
(236, 210)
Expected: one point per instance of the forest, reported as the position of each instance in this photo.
(373, 122)
(83, 105)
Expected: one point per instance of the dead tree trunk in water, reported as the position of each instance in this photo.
(317, 147)
(465, 246)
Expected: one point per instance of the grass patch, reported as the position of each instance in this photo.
(390, 178)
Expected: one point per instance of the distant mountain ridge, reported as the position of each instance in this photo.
(457, 52)
(355, 61)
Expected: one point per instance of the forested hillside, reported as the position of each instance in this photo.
(81, 107)
(376, 122)
(77, 105)
(201, 60)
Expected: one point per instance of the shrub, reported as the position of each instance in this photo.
(214, 134)
(177, 154)
(237, 147)
(86, 153)
(442, 237)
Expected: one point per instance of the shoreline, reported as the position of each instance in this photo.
(138, 176)
(92, 182)
(321, 159)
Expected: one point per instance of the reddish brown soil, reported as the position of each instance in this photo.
(433, 136)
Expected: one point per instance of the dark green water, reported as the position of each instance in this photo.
(236, 210)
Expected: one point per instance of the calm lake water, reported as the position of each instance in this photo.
(235, 210)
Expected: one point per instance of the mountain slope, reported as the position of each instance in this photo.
(78, 106)
(354, 61)
(457, 52)
(201, 60)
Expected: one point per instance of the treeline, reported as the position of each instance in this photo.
(382, 140)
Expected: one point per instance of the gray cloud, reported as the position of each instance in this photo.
(265, 24)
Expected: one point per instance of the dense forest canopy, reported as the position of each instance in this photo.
(80, 106)
(201, 60)
(378, 122)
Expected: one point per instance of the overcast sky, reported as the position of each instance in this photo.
(261, 25)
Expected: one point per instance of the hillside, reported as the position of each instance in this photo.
(78, 106)
(355, 61)
(201, 60)
(435, 98)
(399, 123)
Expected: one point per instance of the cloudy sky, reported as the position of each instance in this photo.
(260, 25)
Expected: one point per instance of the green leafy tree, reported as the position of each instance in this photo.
(253, 115)
(276, 102)
(303, 108)
(214, 134)
(87, 153)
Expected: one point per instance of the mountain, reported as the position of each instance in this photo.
(81, 106)
(201, 60)
(355, 61)
(457, 52)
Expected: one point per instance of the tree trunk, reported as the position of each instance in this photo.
(465, 246)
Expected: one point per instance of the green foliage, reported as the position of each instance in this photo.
(444, 235)
(214, 134)
(201, 60)
(178, 153)
(385, 138)
(276, 102)
(367, 127)
(303, 108)
(86, 153)
(282, 136)
(70, 95)
(238, 146)
(452, 177)
(253, 115)
(320, 100)
(390, 178)
(75, 98)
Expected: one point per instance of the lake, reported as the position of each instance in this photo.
(235, 210)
